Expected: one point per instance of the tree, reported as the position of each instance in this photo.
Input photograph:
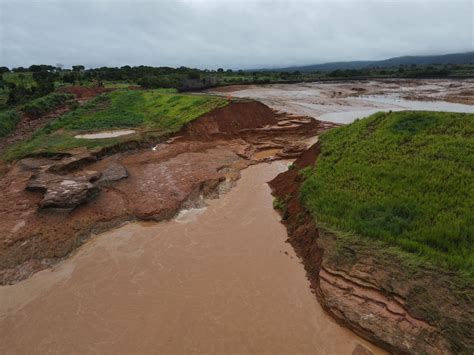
(41, 67)
(78, 68)
(4, 70)
(220, 70)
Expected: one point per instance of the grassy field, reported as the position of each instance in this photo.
(405, 178)
(155, 112)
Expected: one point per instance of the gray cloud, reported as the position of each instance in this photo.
(229, 34)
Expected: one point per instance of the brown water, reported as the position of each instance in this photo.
(214, 280)
(335, 101)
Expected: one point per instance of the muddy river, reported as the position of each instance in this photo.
(219, 279)
(343, 102)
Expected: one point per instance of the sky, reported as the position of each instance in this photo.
(232, 34)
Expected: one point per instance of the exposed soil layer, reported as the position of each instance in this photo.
(205, 157)
(365, 288)
(82, 92)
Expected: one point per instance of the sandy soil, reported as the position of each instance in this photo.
(343, 102)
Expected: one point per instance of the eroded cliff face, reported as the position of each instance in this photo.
(49, 206)
(369, 289)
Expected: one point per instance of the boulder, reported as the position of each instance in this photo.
(68, 193)
(62, 191)
(114, 172)
(40, 182)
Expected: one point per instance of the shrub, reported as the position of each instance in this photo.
(45, 104)
(8, 122)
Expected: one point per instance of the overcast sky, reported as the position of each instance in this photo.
(230, 34)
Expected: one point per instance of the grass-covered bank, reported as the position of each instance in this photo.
(8, 121)
(149, 112)
(405, 178)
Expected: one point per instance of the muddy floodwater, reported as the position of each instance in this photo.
(106, 134)
(344, 102)
(219, 279)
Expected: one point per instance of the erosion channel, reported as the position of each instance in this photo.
(177, 249)
(212, 280)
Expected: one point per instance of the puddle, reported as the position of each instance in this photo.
(224, 282)
(105, 134)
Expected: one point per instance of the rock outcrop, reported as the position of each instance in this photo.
(65, 192)
(113, 172)
(69, 191)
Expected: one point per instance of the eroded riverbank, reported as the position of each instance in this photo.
(219, 281)
(61, 201)
(402, 303)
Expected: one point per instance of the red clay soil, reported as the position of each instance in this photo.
(203, 158)
(363, 304)
(230, 120)
(82, 92)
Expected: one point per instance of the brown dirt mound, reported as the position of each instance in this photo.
(82, 92)
(231, 119)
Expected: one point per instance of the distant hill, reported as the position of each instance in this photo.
(454, 58)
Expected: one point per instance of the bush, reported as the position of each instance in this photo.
(8, 122)
(46, 104)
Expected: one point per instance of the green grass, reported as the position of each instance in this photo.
(8, 121)
(405, 178)
(152, 113)
(46, 103)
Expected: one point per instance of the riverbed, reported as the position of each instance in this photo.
(219, 279)
(344, 102)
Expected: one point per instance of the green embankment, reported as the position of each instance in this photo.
(404, 178)
(150, 113)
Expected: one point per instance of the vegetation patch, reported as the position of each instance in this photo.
(8, 121)
(405, 178)
(46, 104)
(152, 113)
